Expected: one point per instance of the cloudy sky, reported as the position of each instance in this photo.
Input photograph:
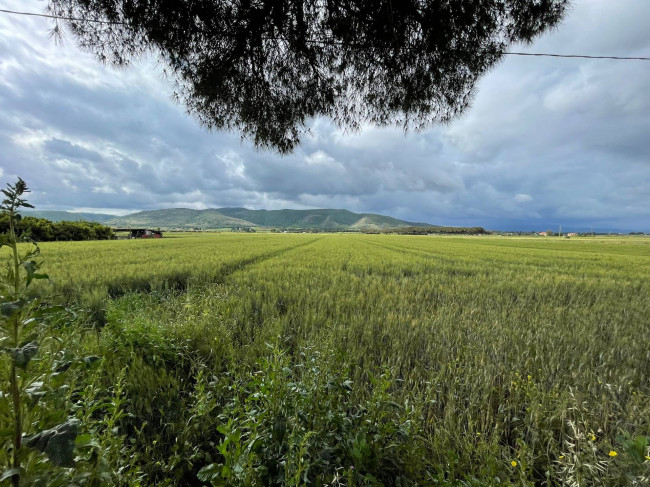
(547, 142)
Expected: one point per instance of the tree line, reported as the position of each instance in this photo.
(437, 230)
(43, 230)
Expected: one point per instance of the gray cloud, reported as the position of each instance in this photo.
(547, 141)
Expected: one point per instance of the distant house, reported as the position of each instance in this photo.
(572, 234)
(542, 234)
(139, 232)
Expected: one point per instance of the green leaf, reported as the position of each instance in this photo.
(635, 447)
(356, 454)
(11, 308)
(209, 472)
(85, 441)
(30, 254)
(31, 267)
(57, 443)
(24, 354)
(9, 473)
(35, 392)
(253, 444)
(91, 360)
(47, 310)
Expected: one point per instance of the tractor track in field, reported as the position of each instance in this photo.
(179, 282)
(231, 267)
(417, 252)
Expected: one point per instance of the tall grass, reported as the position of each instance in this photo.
(373, 360)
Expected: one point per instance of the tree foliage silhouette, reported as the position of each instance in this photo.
(263, 68)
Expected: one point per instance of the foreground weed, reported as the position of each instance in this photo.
(293, 423)
(23, 410)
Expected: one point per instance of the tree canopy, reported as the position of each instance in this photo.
(263, 68)
(42, 230)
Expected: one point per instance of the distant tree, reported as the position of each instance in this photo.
(264, 67)
(42, 230)
(4, 223)
(437, 230)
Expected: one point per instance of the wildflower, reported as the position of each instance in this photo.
(513, 463)
(593, 437)
(647, 457)
(612, 453)
(561, 457)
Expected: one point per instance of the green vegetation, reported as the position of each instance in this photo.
(437, 230)
(33, 398)
(42, 230)
(283, 359)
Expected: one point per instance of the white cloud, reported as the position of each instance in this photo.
(320, 158)
(523, 198)
(106, 189)
(106, 211)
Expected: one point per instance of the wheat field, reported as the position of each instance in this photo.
(283, 359)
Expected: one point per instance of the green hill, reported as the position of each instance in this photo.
(319, 219)
(187, 219)
(179, 218)
(323, 219)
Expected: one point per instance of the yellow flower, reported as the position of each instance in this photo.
(561, 457)
(647, 457)
(593, 437)
(513, 463)
(612, 453)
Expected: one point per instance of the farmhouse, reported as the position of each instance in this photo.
(139, 232)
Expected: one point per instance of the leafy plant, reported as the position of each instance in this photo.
(21, 319)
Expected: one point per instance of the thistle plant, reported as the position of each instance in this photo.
(21, 333)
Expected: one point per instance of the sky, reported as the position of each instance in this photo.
(547, 141)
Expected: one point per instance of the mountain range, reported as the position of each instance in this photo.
(212, 219)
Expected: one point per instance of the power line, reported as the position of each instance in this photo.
(582, 56)
(32, 14)
(508, 53)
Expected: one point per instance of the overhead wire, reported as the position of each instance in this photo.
(506, 53)
(56, 17)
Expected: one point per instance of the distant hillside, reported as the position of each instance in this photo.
(69, 216)
(320, 219)
(186, 219)
(179, 218)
